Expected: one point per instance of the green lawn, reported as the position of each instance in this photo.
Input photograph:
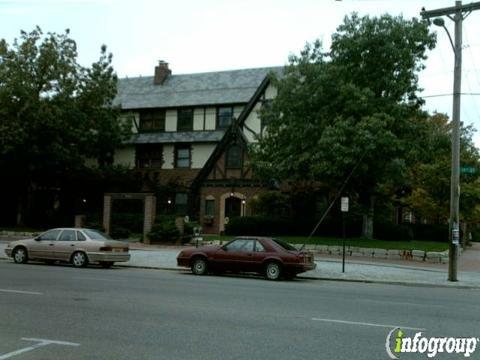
(360, 242)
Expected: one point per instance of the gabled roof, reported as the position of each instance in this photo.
(212, 88)
(234, 132)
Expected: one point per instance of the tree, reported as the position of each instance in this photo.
(55, 113)
(352, 108)
(430, 173)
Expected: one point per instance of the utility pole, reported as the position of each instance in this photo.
(457, 14)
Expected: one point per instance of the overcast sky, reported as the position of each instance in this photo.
(210, 35)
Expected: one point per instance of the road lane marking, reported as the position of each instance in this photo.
(366, 324)
(40, 343)
(21, 292)
(96, 279)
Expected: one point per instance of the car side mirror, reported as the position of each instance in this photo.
(37, 238)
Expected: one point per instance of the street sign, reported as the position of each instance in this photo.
(344, 204)
(468, 170)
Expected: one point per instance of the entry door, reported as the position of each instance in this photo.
(233, 206)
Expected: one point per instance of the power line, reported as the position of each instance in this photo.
(450, 94)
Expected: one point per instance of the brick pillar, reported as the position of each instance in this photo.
(79, 221)
(107, 212)
(149, 216)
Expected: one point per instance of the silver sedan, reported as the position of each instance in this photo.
(77, 246)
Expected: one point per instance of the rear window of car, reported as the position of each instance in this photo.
(284, 244)
(96, 235)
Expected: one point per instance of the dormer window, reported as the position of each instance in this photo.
(224, 117)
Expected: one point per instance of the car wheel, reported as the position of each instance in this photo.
(199, 266)
(106, 264)
(20, 255)
(79, 259)
(273, 271)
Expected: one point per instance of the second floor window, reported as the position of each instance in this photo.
(149, 156)
(185, 120)
(181, 203)
(152, 120)
(224, 117)
(182, 156)
(234, 157)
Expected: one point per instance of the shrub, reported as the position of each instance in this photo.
(120, 233)
(270, 203)
(430, 232)
(130, 221)
(262, 225)
(164, 230)
(392, 232)
(475, 233)
(188, 228)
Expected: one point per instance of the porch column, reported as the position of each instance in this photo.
(149, 216)
(107, 212)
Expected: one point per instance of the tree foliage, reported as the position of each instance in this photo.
(352, 108)
(429, 174)
(55, 113)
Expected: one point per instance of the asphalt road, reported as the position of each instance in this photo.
(123, 313)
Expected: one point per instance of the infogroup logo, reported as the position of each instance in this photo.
(432, 346)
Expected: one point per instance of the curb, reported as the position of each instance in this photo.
(365, 281)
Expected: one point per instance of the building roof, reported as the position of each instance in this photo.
(177, 137)
(212, 88)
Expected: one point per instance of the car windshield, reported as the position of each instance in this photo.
(96, 235)
(284, 245)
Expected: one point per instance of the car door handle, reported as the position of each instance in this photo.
(249, 254)
(72, 244)
(51, 244)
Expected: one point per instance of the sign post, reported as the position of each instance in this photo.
(344, 209)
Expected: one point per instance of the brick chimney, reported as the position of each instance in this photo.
(161, 73)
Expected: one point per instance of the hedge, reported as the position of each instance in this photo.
(332, 227)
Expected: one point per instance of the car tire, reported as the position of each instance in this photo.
(273, 270)
(106, 264)
(199, 266)
(79, 259)
(20, 255)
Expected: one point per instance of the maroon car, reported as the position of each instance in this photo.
(271, 257)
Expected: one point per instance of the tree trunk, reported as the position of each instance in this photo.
(367, 226)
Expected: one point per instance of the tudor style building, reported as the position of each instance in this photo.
(192, 131)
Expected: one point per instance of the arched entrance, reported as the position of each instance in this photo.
(231, 205)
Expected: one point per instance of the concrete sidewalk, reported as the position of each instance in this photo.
(330, 268)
